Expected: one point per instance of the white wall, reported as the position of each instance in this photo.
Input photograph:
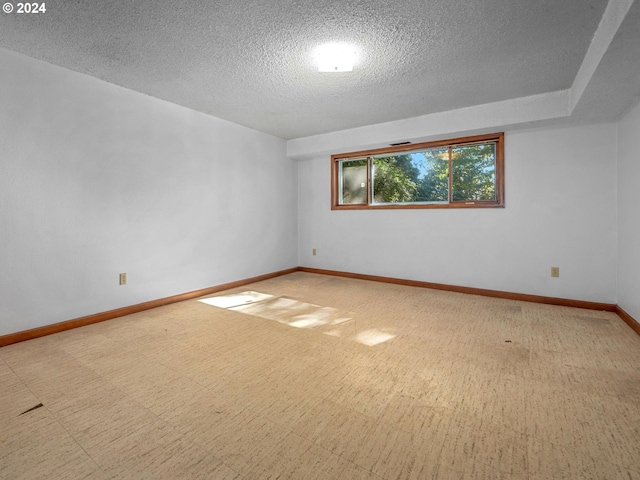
(560, 195)
(629, 212)
(96, 180)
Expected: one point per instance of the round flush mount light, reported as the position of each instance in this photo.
(335, 57)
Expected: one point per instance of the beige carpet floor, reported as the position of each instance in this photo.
(315, 377)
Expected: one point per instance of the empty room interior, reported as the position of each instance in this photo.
(320, 240)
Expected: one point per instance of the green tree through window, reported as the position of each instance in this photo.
(474, 172)
(463, 172)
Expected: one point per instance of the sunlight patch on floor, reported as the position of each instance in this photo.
(372, 337)
(297, 314)
(228, 301)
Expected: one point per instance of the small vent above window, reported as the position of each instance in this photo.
(400, 143)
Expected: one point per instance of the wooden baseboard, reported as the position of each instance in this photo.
(121, 312)
(628, 319)
(565, 302)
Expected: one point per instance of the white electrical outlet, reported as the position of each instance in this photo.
(123, 279)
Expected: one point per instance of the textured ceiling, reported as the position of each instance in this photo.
(250, 62)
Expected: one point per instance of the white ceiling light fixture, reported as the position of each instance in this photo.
(335, 57)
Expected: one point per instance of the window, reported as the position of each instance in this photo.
(460, 173)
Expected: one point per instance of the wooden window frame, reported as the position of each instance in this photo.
(497, 138)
